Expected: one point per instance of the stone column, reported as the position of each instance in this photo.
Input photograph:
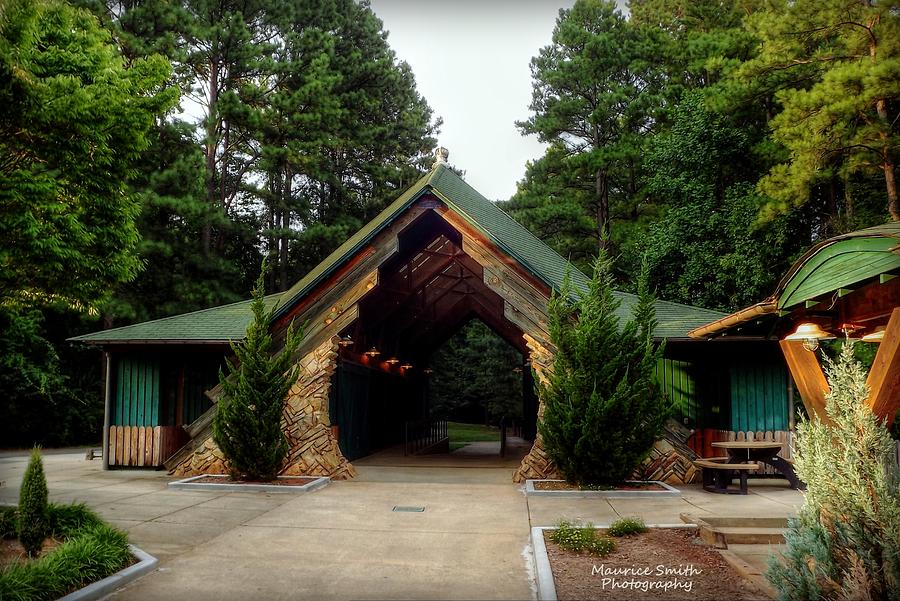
(537, 465)
(314, 450)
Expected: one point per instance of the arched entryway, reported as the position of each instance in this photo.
(425, 293)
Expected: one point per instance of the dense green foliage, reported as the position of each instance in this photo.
(92, 550)
(845, 542)
(297, 124)
(626, 527)
(474, 379)
(582, 539)
(247, 424)
(839, 106)
(602, 407)
(8, 522)
(76, 118)
(33, 517)
(717, 139)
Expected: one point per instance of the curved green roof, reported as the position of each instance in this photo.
(841, 262)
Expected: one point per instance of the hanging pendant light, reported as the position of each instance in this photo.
(345, 341)
(876, 335)
(407, 365)
(373, 352)
(393, 361)
(810, 334)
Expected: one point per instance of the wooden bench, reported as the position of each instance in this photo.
(718, 474)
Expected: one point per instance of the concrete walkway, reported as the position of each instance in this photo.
(344, 541)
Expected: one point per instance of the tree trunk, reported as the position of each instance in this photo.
(211, 147)
(602, 192)
(887, 162)
(285, 228)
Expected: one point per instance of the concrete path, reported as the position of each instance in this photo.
(344, 541)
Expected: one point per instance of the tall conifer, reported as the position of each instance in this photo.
(247, 424)
(602, 408)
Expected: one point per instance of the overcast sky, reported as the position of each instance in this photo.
(471, 62)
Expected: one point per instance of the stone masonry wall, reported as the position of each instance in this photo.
(664, 463)
(314, 450)
(537, 465)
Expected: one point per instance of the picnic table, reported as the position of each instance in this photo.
(748, 451)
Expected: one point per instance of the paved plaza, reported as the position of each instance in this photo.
(345, 541)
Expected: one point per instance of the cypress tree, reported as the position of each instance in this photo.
(33, 514)
(247, 424)
(602, 407)
(845, 541)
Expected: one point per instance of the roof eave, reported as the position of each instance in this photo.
(766, 307)
(151, 341)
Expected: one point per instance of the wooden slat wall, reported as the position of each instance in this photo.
(143, 446)
(137, 392)
(677, 383)
(701, 443)
(758, 398)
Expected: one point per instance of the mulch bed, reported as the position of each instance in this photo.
(12, 551)
(292, 481)
(692, 570)
(561, 485)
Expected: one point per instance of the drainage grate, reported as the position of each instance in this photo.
(408, 509)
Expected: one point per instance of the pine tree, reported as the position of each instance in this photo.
(602, 408)
(845, 541)
(33, 516)
(247, 424)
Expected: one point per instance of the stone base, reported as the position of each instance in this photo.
(536, 466)
(666, 464)
(313, 448)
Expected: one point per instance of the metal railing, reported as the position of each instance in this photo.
(423, 434)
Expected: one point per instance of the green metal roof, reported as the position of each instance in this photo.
(230, 321)
(216, 325)
(841, 262)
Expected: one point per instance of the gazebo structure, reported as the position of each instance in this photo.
(376, 309)
(844, 286)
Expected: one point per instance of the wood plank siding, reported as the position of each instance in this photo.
(143, 446)
(153, 397)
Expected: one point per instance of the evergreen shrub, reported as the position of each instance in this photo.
(33, 518)
(247, 423)
(845, 541)
(603, 410)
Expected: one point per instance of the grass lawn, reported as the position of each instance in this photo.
(462, 434)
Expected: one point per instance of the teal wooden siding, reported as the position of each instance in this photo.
(137, 392)
(676, 380)
(758, 397)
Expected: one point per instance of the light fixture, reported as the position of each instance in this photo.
(876, 335)
(373, 352)
(810, 334)
(517, 370)
(345, 341)
(393, 361)
(406, 365)
(427, 370)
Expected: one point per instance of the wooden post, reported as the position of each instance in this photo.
(808, 375)
(107, 407)
(884, 377)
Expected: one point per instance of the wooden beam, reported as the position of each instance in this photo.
(884, 377)
(808, 376)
